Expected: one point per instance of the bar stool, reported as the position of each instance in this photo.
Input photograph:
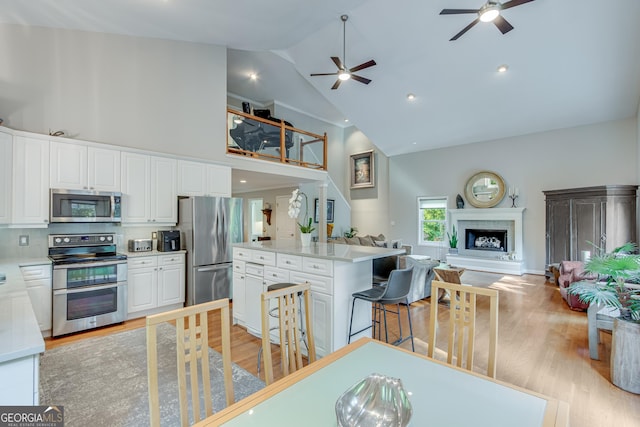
(274, 314)
(395, 292)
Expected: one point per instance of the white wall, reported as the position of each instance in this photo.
(370, 207)
(152, 94)
(599, 154)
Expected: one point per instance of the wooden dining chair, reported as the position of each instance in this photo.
(290, 324)
(192, 347)
(462, 322)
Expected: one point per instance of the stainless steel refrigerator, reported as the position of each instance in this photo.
(209, 226)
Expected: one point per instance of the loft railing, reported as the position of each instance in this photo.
(274, 140)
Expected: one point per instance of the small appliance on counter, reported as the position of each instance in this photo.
(140, 245)
(168, 241)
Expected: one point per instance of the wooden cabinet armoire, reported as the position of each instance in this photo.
(604, 215)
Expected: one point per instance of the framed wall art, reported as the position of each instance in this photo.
(362, 170)
(330, 205)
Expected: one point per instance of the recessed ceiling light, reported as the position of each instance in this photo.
(243, 181)
(253, 76)
(411, 97)
(503, 68)
(414, 143)
(346, 120)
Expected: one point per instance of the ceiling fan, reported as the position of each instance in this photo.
(343, 73)
(489, 12)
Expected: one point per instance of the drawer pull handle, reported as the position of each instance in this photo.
(288, 262)
(274, 275)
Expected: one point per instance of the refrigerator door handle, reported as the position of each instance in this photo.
(213, 268)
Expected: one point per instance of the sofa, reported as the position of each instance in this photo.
(570, 272)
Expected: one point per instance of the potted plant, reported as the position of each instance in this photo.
(453, 240)
(618, 273)
(295, 203)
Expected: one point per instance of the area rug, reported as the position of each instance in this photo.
(103, 381)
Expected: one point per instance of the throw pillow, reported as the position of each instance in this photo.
(353, 240)
(366, 241)
(381, 243)
(340, 240)
(379, 237)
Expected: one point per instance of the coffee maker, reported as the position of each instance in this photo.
(168, 241)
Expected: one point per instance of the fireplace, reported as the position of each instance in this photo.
(486, 240)
(489, 239)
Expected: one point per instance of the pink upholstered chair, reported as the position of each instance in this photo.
(573, 271)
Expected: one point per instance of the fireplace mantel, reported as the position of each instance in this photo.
(495, 264)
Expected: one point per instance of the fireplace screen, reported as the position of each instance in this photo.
(486, 240)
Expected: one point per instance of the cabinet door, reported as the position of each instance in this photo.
(30, 201)
(68, 164)
(136, 175)
(558, 231)
(239, 297)
(103, 169)
(40, 294)
(253, 290)
(6, 158)
(164, 198)
(170, 285)
(142, 289)
(322, 318)
(191, 178)
(218, 181)
(586, 225)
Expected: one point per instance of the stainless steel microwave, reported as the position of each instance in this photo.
(84, 206)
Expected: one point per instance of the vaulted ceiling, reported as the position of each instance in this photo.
(571, 62)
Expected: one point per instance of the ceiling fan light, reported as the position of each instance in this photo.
(489, 14)
(344, 75)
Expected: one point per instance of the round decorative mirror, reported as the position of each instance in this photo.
(485, 189)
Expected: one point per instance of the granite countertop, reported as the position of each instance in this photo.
(333, 251)
(19, 331)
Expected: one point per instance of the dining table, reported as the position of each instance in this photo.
(440, 394)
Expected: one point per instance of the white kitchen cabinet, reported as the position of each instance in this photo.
(239, 297)
(148, 190)
(322, 320)
(6, 159)
(142, 284)
(82, 167)
(37, 279)
(171, 285)
(253, 290)
(30, 203)
(156, 283)
(203, 179)
(20, 379)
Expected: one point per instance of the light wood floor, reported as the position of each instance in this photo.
(542, 346)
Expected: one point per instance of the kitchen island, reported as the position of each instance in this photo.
(20, 338)
(335, 271)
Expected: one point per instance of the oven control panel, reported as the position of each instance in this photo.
(74, 240)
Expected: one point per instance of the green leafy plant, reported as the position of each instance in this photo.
(453, 237)
(618, 274)
(295, 203)
(351, 233)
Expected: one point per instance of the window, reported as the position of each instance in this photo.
(432, 220)
(255, 215)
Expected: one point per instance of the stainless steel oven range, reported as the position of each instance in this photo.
(89, 282)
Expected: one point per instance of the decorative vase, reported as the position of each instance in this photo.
(376, 400)
(305, 238)
(453, 251)
(625, 355)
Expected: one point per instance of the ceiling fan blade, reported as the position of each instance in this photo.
(459, 11)
(338, 62)
(502, 24)
(513, 3)
(336, 84)
(360, 79)
(464, 30)
(324, 74)
(362, 66)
